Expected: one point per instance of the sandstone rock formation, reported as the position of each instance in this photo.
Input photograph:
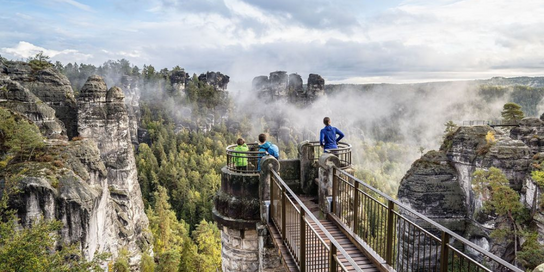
(17, 98)
(281, 86)
(50, 86)
(103, 117)
(215, 79)
(439, 185)
(91, 186)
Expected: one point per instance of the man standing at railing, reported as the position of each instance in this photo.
(327, 137)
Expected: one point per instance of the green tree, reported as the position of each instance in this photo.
(208, 240)
(39, 61)
(512, 113)
(450, 126)
(499, 198)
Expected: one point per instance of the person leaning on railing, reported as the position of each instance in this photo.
(327, 136)
(240, 159)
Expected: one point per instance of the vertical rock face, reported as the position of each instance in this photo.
(278, 83)
(260, 84)
(17, 98)
(51, 87)
(178, 79)
(281, 86)
(215, 79)
(316, 86)
(103, 117)
(439, 185)
(295, 84)
(92, 186)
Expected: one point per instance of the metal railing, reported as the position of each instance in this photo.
(491, 123)
(244, 161)
(386, 226)
(298, 228)
(343, 152)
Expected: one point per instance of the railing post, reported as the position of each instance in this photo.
(444, 252)
(389, 234)
(332, 258)
(302, 256)
(334, 190)
(272, 180)
(355, 206)
(283, 201)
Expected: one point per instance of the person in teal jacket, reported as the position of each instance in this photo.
(266, 146)
(240, 160)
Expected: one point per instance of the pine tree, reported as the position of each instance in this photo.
(512, 113)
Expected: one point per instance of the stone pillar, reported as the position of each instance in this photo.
(237, 211)
(326, 162)
(308, 168)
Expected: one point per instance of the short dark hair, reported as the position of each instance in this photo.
(327, 121)
(240, 141)
(262, 137)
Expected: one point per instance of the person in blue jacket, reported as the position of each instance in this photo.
(327, 137)
(269, 147)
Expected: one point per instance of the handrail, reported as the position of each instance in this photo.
(433, 223)
(308, 213)
(490, 123)
(343, 152)
(246, 162)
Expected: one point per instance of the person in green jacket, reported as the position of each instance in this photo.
(240, 160)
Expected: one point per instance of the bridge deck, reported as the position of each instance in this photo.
(319, 263)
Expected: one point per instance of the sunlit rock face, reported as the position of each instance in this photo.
(439, 185)
(103, 117)
(50, 86)
(91, 184)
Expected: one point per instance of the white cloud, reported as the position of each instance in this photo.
(25, 50)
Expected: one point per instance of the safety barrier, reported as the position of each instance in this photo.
(388, 227)
(298, 229)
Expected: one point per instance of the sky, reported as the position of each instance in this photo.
(359, 41)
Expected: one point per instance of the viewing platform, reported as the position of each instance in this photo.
(312, 214)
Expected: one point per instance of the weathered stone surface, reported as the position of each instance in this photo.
(50, 86)
(278, 83)
(103, 117)
(439, 185)
(316, 86)
(282, 86)
(531, 132)
(215, 79)
(431, 188)
(17, 98)
(295, 84)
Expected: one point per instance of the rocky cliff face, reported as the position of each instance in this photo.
(215, 79)
(439, 184)
(49, 86)
(103, 117)
(281, 86)
(89, 184)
